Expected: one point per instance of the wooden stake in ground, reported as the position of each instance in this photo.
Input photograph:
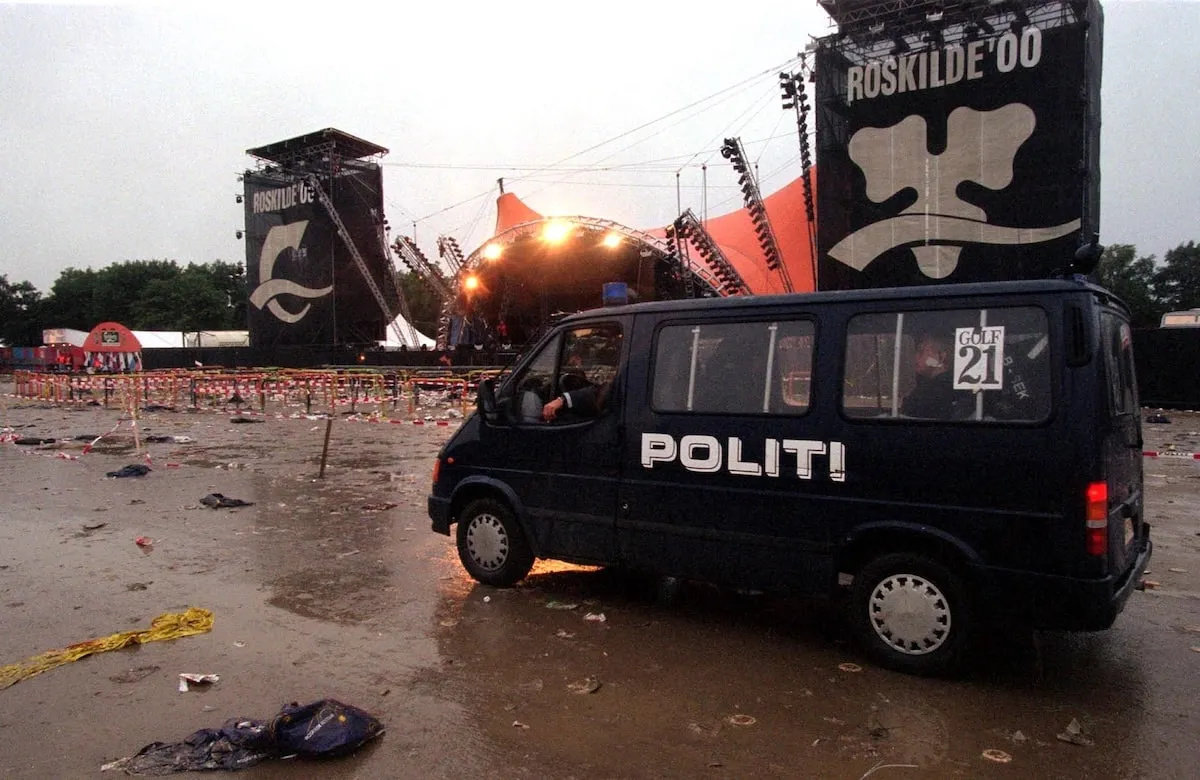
(325, 447)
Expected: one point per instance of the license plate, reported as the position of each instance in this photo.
(1128, 530)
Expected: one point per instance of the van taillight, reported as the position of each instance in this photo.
(437, 466)
(1097, 518)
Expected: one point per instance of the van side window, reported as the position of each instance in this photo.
(734, 368)
(980, 365)
(1118, 361)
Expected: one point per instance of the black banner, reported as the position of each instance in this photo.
(972, 161)
(303, 283)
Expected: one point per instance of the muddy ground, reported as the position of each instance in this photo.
(316, 595)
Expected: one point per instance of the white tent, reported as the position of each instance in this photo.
(399, 333)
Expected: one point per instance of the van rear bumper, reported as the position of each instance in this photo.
(439, 514)
(1063, 603)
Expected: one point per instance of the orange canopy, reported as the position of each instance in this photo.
(111, 337)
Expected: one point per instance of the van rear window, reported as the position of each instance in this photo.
(1118, 362)
(977, 365)
(734, 367)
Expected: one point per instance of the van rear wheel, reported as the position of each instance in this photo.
(912, 614)
(492, 545)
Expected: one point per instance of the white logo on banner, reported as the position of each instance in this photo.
(279, 238)
(980, 147)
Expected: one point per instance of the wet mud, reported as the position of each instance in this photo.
(337, 587)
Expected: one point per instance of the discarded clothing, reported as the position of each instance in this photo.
(325, 728)
(157, 408)
(218, 501)
(1154, 418)
(33, 440)
(244, 420)
(166, 626)
(132, 470)
(157, 438)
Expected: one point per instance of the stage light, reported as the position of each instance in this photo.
(612, 240)
(470, 283)
(492, 252)
(556, 230)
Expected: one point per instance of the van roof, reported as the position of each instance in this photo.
(1027, 286)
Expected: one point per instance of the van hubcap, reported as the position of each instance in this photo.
(910, 614)
(487, 541)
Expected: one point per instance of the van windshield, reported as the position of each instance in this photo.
(977, 365)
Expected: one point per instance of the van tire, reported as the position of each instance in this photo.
(933, 629)
(492, 545)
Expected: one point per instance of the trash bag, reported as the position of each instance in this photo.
(244, 420)
(218, 501)
(156, 438)
(238, 744)
(132, 470)
(324, 728)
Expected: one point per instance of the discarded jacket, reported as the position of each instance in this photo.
(132, 470)
(218, 501)
(244, 420)
(33, 440)
(325, 728)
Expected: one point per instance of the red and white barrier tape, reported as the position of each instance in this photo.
(1171, 454)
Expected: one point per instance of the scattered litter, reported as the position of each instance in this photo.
(487, 599)
(1196, 649)
(595, 617)
(132, 470)
(166, 626)
(93, 526)
(848, 667)
(448, 623)
(1019, 736)
(135, 501)
(156, 438)
(1158, 418)
(157, 408)
(239, 644)
(380, 507)
(1074, 735)
(196, 679)
(144, 541)
(348, 554)
(135, 675)
(244, 420)
(1151, 584)
(564, 634)
(1177, 571)
(585, 686)
(135, 586)
(33, 441)
(323, 728)
(182, 439)
(519, 725)
(742, 719)
(561, 605)
(219, 501)
(999, 756)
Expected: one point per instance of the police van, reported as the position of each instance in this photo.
(940, 455)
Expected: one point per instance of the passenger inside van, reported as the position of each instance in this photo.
(933, 395)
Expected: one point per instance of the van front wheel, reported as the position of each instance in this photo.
(912, 614)
(492, 545)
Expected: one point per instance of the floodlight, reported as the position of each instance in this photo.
(556, 231)
(470, 282)
(492, 252)
(612, 240)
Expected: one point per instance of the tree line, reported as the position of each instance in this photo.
(162, 295)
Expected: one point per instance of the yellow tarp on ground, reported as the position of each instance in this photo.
(169, 625)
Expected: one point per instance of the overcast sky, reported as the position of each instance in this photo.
(124, 128)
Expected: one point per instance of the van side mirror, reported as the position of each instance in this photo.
(1086, 258)
(485, 400)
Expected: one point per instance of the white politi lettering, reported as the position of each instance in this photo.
(736, 464)
(771, 458)
(709, 462)
(705, 455)
(657, 447)
(805, 450)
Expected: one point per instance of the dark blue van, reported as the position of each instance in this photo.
(944, 454)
